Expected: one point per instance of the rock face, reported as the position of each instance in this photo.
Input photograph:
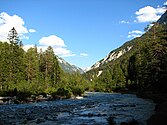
(67, 67)
(95, 108)
(113, 55)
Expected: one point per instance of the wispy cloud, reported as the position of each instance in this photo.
(165, 3)
(135, 33)
(124, 22)
(32, 30)
(7, 22)
(149, 14)
(83, 54)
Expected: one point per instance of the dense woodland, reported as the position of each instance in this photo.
(32, 72)
(143, 68)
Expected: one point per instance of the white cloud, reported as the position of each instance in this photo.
(149, 14)
(135, 33)
(124, 22)
(32, 30)
(63, 52)
(83, 54)
(7, 22)
(55, 42)
(165, 3)
(26, 47)
(52, 40)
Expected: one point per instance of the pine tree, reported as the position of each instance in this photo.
(57, 72)
(49, 63)
(32, 65)
(4, 61)
(16, 53)
(52, 69)
(13, 37)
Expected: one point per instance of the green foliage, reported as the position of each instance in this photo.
(62, 92)
(77, 91)
(34, 73)
(50, 90)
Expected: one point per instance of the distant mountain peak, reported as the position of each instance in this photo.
(67, 67)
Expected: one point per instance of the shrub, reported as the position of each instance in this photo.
(62, 92)
(23, 95)
(77, 91)
(50, 90)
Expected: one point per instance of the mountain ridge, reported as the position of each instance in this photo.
(128, 47)
(69, 68)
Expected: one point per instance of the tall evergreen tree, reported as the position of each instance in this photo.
(57, 72)
(13, 37)
(32, 65)
(16, 53)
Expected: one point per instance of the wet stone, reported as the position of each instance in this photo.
(40, 120)
(30, 117)
(10, 116)
(94, 109)
(27, 111)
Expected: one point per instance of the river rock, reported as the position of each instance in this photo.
(40, 120)
(28, 111)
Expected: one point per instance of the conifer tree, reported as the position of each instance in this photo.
(16, 57)
(13, 37)
(32, 65)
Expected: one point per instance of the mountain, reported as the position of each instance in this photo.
(67, 67)
(113, 55)
(127, 47)
(139, 63)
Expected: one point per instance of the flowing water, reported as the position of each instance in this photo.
(93, 109)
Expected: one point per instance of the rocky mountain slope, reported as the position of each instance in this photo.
(67, 67)
(126, 50)
(113, 55)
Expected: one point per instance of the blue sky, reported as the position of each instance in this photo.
(81, 31)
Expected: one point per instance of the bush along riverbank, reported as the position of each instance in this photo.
(19, 97)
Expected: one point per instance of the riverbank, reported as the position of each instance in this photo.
(160, 115)
(160, 112)
(160, 99)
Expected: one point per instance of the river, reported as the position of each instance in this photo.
(93, 109)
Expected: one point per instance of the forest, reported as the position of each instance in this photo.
(23, 74)
(26, 73)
